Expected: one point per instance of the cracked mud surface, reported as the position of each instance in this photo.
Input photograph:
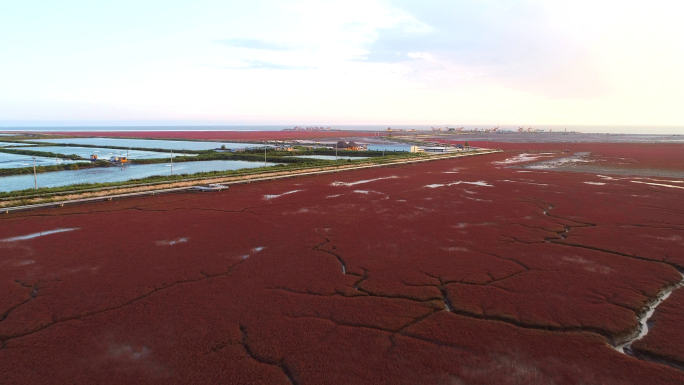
(533, 281)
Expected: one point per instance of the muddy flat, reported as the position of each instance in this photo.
(459, 271)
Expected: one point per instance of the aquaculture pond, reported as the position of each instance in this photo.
(120, 174)
(10, 144)
(8, 160)
(389, 147)
(106, 153)
(175, 145)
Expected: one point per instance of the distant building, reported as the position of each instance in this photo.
(439, 150)
(416, 149)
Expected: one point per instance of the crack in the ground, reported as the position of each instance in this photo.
(33, 294)
(441, 287)
(280, 364)
(343, 264)
(672, 227)
(516, 240)
(510, 320)
(360, 294)
(393, 333)
(578, 245)
(642, 314)
(205, 276)
(658, 359)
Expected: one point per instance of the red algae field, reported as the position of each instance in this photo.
(460, 271)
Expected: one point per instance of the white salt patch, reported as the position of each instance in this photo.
(36, 235)
(553, 163)
(660, 180)
(334, 196)
(257, 249)
(27, 262)
(518, 181)
(454, 248)
(673, 238)
(128, 351)
(596, 183)
(518, 159)
(362, 192)
(589, 265)
(478, 183)
(361, 181)
(475, 199)
(658, 184)
(173, 242)
(245, 256)
(267, 197)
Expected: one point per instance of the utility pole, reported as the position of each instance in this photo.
(171, 162)
(335, 151)
(35, 178)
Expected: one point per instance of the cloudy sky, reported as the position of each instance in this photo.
(341, 62)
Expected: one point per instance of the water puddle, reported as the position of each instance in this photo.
(268, 197)
(361, 181)
(36, 235)
(658, 184)
(520, 181)
(646, 315)
(579, 157)
(173, 242)
(478, 183)
(519, 159)
(475, 199)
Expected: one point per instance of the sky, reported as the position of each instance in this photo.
(458, 62)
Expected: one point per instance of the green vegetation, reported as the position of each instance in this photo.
(57, 167)
(39, 153)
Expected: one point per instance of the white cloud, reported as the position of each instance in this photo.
(386, 62)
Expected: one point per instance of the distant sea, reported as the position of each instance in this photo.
(643, 130)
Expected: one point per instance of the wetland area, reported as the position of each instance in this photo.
(499, 268)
